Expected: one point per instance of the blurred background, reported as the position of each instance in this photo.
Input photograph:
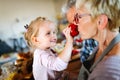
(15, 14)
(15, 55)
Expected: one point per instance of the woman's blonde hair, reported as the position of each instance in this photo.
(111, 8)
(33, 29)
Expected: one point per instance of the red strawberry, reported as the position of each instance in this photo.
(74, 30)
(74, 52)
(79, 40)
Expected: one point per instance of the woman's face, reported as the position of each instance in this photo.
(87, 27)
(70, 14)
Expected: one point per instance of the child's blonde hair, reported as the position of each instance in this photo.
(33, 29)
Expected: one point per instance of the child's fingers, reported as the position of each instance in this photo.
(66, 30)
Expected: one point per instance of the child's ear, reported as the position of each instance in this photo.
(35, 40)
(102, 21)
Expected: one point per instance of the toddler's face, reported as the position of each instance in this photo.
(47, 35)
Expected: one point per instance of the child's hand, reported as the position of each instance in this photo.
(66, 32)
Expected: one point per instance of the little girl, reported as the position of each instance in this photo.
(42, 36)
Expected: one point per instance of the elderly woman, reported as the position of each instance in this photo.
(89, 45)
(100, 20)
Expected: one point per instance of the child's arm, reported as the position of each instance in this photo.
(56, 63)
(65, 55)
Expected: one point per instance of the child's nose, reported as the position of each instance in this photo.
(54, 35)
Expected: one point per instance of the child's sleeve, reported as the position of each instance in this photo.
(52, 62)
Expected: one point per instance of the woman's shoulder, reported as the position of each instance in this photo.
(109, 61)
(109, 67)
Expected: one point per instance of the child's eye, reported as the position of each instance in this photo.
(48, 33)
(54, 32)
